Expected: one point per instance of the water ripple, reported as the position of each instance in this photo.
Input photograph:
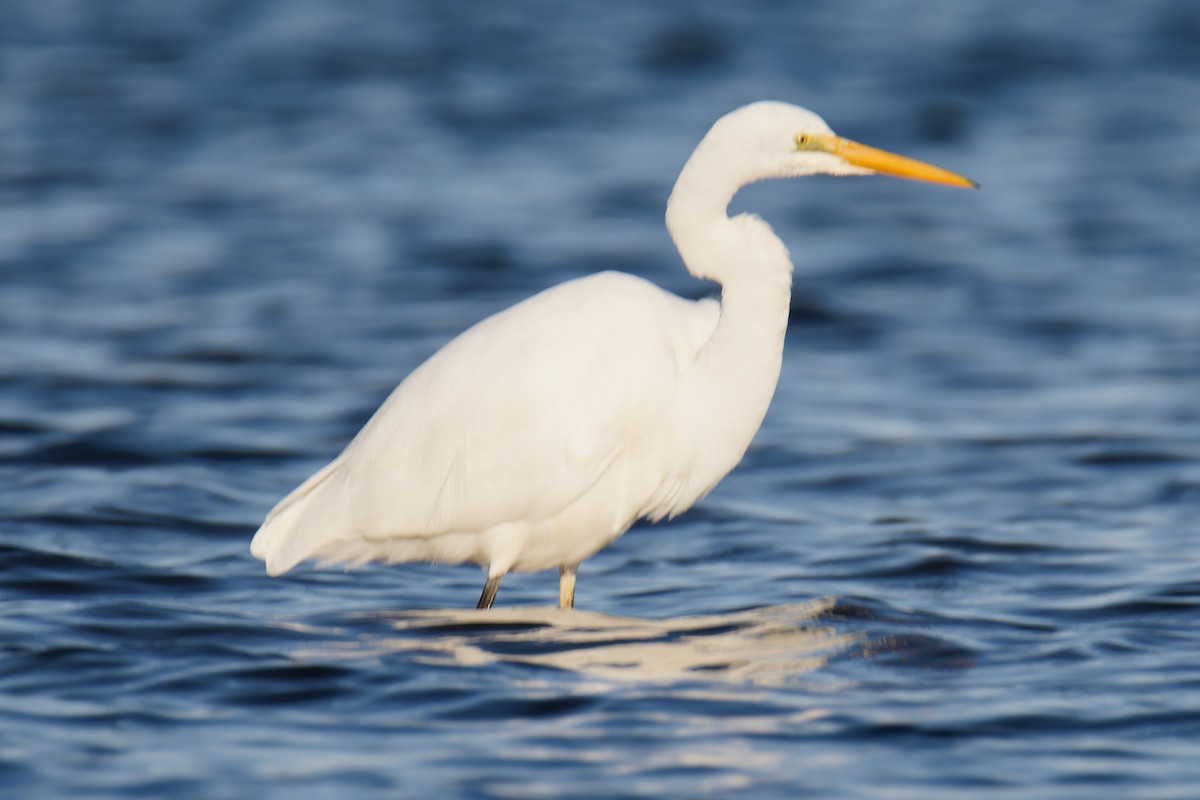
(227, 230)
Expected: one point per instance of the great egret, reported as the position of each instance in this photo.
(539, 435)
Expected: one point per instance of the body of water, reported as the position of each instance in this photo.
(961, 559)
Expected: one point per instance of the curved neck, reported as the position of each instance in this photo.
(697, 219)
(714, 246)
(738, 368)
(742, 253)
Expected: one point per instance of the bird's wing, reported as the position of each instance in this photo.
(511, 421)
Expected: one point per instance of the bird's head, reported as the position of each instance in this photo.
(778, 140)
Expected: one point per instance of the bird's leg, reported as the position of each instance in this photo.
(566, 586)
(489, 592)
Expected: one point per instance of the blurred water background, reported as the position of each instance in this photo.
(962, 558)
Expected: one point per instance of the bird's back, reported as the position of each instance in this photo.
(510, 423)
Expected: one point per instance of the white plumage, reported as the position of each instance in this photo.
(539, 435)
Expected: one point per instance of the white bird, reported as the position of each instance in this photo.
(542, 433)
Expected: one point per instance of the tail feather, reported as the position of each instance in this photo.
(298, 524)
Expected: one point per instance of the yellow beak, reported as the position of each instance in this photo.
(885, 163)
(881, 161)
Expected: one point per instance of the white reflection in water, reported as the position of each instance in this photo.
(759, 646)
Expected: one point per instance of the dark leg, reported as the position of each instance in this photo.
(489, 592)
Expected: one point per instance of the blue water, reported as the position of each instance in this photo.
(962, 558)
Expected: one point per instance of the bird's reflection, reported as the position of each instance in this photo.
(759, 646)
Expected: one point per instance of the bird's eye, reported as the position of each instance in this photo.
(813, 142)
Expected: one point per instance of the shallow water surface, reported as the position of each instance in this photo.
(961, 559)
